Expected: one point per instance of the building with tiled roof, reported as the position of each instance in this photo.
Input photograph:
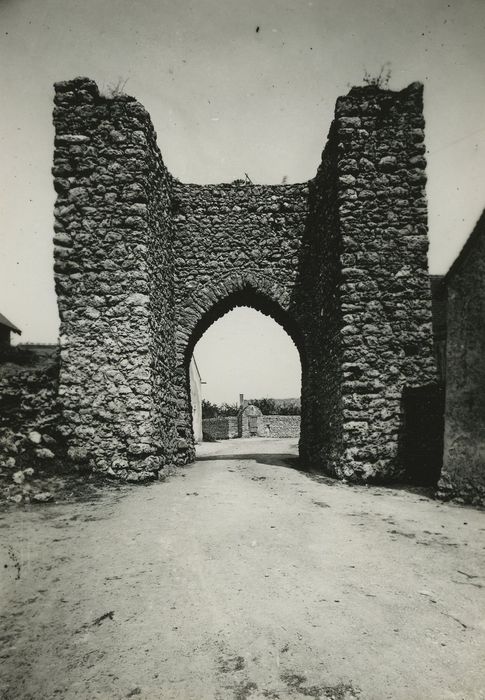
(6, 328)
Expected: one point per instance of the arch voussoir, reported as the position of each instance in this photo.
(224, 294)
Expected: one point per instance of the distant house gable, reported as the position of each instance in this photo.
(6, 328)
(463, 473)
(467, 249)
(8, 324)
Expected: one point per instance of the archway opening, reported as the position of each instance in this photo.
(244, 365)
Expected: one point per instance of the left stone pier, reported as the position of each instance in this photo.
(114, 283)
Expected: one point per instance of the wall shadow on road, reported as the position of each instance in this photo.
(282, 459)
(278, 459)
(291, 461)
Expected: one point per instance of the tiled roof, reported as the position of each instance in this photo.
(5, 322)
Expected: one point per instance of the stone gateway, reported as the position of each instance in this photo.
(144, 264)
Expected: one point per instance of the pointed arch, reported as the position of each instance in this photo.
(207, 304)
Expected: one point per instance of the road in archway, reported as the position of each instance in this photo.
(242, 577)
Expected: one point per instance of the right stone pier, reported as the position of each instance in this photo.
(371, 304)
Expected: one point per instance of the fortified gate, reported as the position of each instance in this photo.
(144, 264)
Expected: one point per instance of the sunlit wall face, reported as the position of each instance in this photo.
(246, 352)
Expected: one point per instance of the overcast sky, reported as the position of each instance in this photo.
(227, 100)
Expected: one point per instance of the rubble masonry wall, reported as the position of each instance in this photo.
(144, 264)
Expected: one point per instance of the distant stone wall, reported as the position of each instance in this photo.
(463, 474)
(268, 426)
(221, 428)
(31, 440)
(279, 426)
(28, 391)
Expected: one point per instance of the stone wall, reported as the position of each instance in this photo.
(279, 426)
(28, 390)
(384, 288)
(317, 298)
(463, 474)
(235, 244)
(145, 264)
(114, 282)
(220, 428)
(30, 440)
(225, 427)
(367, 295)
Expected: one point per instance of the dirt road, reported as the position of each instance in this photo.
(243, 578)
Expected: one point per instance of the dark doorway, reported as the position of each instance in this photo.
(422, 443)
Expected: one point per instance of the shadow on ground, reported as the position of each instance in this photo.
(281, 459)
(284, 459)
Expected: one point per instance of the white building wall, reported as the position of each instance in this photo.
(196, 399)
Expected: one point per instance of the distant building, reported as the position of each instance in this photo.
(463, 473)
(196, 399)
(6, 328)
